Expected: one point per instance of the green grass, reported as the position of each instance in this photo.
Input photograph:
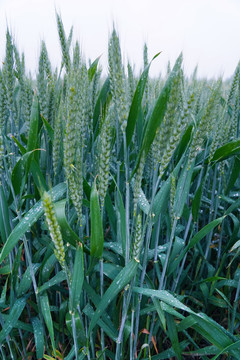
(133, 253)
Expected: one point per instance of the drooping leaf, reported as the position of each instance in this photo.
(163, 295)
(216, 334)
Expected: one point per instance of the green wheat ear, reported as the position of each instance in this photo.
(170, 131)
(146, 100)
(138, 240)
(131, 83)
(75, 182)
(54, 228)
(65, 44)
(43, 78)
(75, 133)
(3, 103)
(9, 76)
(117, 80)
(137, 184)
(206, 124)
(76, 56)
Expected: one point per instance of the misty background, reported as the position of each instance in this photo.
(206, 31)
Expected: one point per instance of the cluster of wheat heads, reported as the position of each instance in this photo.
(119, 210)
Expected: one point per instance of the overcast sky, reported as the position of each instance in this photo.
(207, 31)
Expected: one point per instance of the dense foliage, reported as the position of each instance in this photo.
(119, 210)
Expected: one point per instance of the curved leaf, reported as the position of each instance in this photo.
(47, 317)
(96, 224)
(28, 220)
(38, 337)
(77, 278)
(59, 277)
(121, 280)
(12, 318)
(100, 105)
(136, 103)
(226, 151)
(67, 233)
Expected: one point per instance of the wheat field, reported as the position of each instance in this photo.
(119, 209)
